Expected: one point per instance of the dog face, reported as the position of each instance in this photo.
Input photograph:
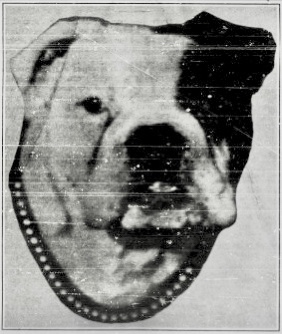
(131, 151)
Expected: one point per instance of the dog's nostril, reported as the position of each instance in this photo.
(154, 153)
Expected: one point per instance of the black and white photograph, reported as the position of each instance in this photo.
(141, 166)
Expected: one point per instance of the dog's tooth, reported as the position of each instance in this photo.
(162, 187)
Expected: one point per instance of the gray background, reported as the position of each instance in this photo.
(238, 286)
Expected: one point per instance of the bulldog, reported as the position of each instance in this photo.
(132, 146)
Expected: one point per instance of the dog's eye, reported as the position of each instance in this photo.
(93, 105)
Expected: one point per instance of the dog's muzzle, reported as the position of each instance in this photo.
(155, 156)
(156, 189)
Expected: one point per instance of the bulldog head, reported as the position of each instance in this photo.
(132, 146)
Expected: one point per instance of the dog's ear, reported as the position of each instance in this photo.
(31, 66)
(36, 70)
(240, 56)
(225, 55)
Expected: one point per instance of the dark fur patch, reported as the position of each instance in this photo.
(220, 71)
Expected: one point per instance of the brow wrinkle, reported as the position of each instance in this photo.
(92, 162)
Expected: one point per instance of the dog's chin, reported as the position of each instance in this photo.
(143, 256)
(137, 266)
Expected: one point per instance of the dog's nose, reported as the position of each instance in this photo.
(154, 158)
